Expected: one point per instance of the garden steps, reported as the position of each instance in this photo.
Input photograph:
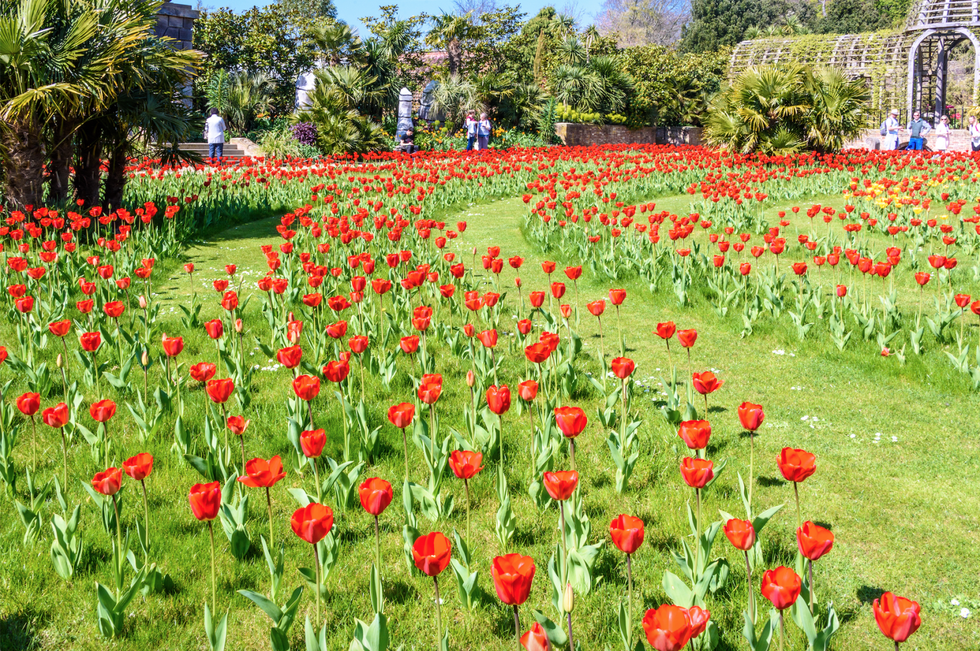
(235, 148)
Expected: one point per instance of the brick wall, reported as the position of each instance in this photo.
(177, 22)
(583, 135)
(871, 139)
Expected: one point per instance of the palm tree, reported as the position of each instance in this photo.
(453, 96)
(335, 41)
(784, 109)
(572, 51)
(448, 33)
(335, 106)
(248, 96)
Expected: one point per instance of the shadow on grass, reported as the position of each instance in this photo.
(17, 632)
(866, 594)
(770, 482)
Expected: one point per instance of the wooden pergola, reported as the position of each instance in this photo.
(909, 65)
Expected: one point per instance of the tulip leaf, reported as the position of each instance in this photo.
(677, 590)
(269, 608)
(300, 496)
(556, 633)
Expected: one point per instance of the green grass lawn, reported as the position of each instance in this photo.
(897, 458)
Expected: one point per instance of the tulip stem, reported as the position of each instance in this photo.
(405, 445)
(466, 485)
(564, 544)
(377, 544)
(268, 501)
(517, 626)
(214, 590)
(316, 569)
(782, 632)
(629, 575)
(571, 642)
(622, 342)
(316, 478)
(748, 580)
(751, 468)
(435, 579)
(33, 446)
(241, 438)
(697, 543)
(799, 513)
(64, 451)
(810, 563)
(571, 446)
(146, 524)
(119, 552)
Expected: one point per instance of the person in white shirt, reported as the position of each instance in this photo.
(974, 134)
(214, 131)
(942, 134)
(483, 132)
(890, 129)
(471, 126)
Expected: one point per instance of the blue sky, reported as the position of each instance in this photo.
(351, 11)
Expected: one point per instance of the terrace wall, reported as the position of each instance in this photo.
(583, 135)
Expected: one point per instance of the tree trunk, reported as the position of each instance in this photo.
(454, 54)
(62, 151)
(115, 180)
(24, 158)
(88, 173)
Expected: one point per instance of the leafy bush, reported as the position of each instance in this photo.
(279, 143)
(305, 133)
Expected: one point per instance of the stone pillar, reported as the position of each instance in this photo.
(177, 22)
(404, 112)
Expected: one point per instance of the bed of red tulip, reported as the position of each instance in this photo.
(363, 287)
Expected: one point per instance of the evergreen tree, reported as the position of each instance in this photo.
(722, 23)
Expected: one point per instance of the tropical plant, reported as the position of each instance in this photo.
(600, 86)
(249, 95)
(788, 108)
(335, 109)
(447, 33)
(454, 96)
(334, 41)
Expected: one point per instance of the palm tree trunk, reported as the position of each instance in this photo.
(62, 151)
(88, 173)
(23, 153)
(115, 180)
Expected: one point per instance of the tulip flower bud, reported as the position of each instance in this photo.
(238, 326)
(474, 250)
(145, 359)
(290, 317)
(470, 379)
(142, 302)
(568, 599)
(60, 361)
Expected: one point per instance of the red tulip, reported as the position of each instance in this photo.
(596, 308)
(430, 388)
(498, 399)
(203, 371)
(536, 639)
(140, 466)
(627, 533)
(60, 328)
(358, 344)
(465, 464)
(527, 390)
(306, 387)
(90, 341)
(336, 371)
(539, 352)
(432, 553)
(512, 575)
(114, 309)
(687, 337)
(107, 482)
(57, 416)
(571, 420)
(488, 338)
(102, 410)
(617, 296)
(409, 344)
(796, 465)
(695, 433)
(622, 367)
(751, 416)
(29, 403)
(697, 472)
(560, 485)
(312, 442)
(260, 473)
(740, 533)
(376, 494)
(312, 522)
(781, 586)
(668, 628)
(290, 357)
(172, 345)
(666, 330)
(215, 328)
(897, 617)
(814, 541)
(205, 500)
(705, 383)
(401, 415)
(220, 390)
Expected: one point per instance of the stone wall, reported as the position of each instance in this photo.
(584, 135)
(177, 22)
(871, 139)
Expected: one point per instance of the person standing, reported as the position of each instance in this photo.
(942, 134)
(889, 129)
(471, 126)
(214, 131)
(918, 128)
(483, 132)
(974, 134)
